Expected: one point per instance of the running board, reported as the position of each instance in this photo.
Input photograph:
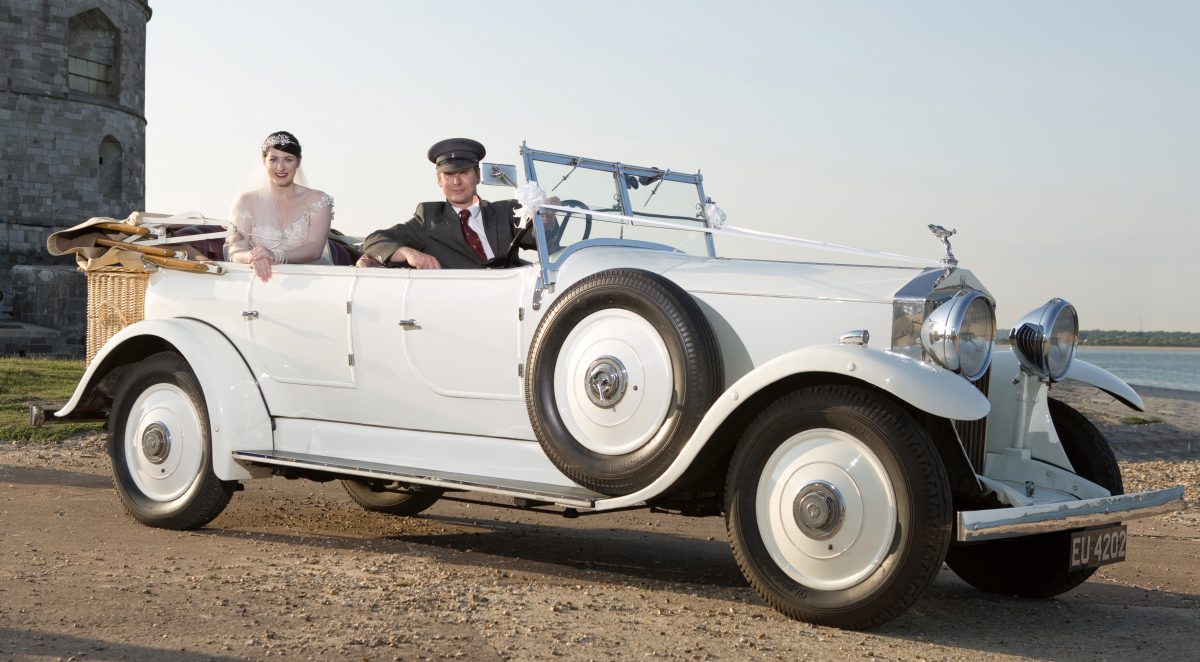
(576, 497)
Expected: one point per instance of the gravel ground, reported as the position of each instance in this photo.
(292, 569)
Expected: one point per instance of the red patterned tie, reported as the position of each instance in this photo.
(464, 215)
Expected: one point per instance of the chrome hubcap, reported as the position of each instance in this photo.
(819, 510)
(606, 380)
(156, 443)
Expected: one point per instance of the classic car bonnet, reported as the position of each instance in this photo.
(809, 280)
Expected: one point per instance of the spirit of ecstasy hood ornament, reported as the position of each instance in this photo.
(949, 261)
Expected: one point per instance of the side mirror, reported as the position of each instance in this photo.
(498, 174)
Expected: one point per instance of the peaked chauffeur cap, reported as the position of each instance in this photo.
(454, 154)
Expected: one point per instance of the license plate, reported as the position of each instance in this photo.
(1097, 547)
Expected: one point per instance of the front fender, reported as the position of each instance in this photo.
(1094, 375)
(237, 415)
(1032, 425)
(924, 386)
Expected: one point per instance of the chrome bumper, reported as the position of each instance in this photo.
(1031, 520)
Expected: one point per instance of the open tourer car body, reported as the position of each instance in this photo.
(855, 424)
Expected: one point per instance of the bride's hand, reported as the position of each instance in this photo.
(260, 259)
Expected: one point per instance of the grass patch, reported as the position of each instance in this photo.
(1141, 420)
(24, 381)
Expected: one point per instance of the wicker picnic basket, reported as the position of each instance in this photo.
(116, 298)
(117, 256)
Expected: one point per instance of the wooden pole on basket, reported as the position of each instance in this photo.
(146, 250)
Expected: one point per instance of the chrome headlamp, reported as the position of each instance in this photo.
(1045, 338)
(960, 334)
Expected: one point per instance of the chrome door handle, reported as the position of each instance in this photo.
(250, 314)
(408, 324)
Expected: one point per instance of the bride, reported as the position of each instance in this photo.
(279, 220)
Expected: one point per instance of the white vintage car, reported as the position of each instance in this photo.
(851, 422)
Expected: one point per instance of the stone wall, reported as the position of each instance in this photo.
(54, 136)
(56, 298)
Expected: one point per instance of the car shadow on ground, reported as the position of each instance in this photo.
(632, 553)
(37, 644)
(615, 555)
(16, 475)
(1091, 619)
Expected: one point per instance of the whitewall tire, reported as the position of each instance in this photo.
(160, 447)
(838, 506)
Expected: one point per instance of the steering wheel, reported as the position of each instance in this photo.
(557, 235)
(510, 258)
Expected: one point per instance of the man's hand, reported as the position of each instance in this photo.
(415, 258)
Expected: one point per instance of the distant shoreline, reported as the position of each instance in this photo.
(1188, 348)
(1166, 393)
(1140, 347)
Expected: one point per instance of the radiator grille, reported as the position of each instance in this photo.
(974, 433)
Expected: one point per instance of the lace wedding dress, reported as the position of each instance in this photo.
(298, 230)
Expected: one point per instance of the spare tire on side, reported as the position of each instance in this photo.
(622, 369)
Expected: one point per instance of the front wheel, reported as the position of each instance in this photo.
(161, 451)
(1036, 566)
(838, 507)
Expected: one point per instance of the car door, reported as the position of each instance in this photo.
(298, 325)
(441, 349)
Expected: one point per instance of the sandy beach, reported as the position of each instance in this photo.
(1168, 429)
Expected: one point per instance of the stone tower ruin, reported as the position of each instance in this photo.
(72, 146)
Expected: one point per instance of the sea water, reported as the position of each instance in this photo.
(1164, 368)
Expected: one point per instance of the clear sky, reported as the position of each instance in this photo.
(1061, 139)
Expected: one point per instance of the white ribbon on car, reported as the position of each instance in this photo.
(715, 215)
(532, 197)
(717, 220)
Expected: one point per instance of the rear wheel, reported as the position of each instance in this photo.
(838, 507)
(160, 447)
(393, 498)
(1037, 566)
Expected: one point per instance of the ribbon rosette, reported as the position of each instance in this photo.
(531, 196)
(715, 215)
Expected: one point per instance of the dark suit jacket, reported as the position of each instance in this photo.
(435, 229)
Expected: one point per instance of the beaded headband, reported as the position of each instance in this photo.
(277, 140)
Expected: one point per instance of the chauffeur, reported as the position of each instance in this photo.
(461, 232)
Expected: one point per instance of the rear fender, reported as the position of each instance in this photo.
(237, 415)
